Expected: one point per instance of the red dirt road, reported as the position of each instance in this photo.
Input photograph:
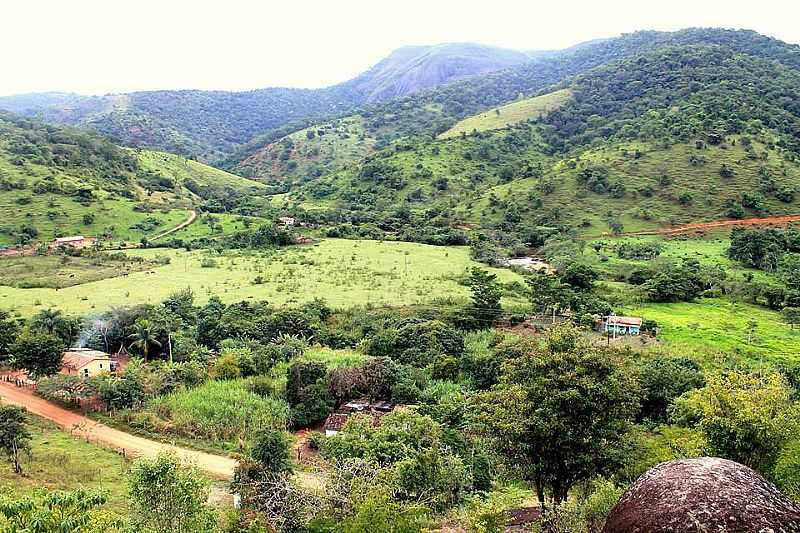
(764, 221)
(80, 426)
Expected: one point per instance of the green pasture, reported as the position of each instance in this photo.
(513, 113)
(343, 272)
(720, 329)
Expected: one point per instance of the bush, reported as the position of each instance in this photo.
(787, 470)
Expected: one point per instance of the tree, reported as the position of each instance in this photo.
(144, 336)
(789, 270)
(745, 417)
(15, 439)
(59, 512)
(40, 354)
(547, 293)
(663, 379)
(561, 412)
(791, 315)
(167, 498)
(486, 294)
(54, 322)
(271, 450)
(9, 329)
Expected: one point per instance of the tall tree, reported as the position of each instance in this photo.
(561, 412)
(15, 439)
(486, 294)
(41, 354)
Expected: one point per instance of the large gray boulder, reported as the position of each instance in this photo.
(709, 495)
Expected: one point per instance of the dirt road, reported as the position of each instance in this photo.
(188, 221)
(700, 226)
(80, 426)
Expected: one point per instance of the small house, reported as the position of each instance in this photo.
(286, 221)
(376, 410)
(622, 325)
(87, 363)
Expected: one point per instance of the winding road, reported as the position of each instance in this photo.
(190, 220)
(214, 465)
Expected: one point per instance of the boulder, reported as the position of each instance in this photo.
(703, 495)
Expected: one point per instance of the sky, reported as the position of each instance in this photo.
(107, 46)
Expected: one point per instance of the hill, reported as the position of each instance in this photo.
(57, 181)
(673, 134)
(435, 111)
(209, 125)
(413, 68)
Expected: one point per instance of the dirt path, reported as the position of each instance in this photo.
(764, 221)
(80, 426)
(187, 222)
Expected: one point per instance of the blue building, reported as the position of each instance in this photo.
(622, 325)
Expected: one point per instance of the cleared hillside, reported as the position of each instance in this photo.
(513, 113)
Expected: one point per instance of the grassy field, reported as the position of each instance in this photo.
(56, 215)
(214, 225)
(61, 462)
(217, 413)
(711, 250)
(343, 272)
(183, 169)
(60, 271)
(513, 113)
(718, 329)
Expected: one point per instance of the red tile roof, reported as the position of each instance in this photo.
(77, 359)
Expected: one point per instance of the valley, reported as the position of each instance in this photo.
(471, 289)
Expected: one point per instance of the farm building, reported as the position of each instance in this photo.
(622, 325)
(76, 241)
(286, 221)
(87, 363)
(336, 420)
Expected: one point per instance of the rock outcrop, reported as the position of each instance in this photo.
(703, 495)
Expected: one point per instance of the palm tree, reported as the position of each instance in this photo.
(143, 337)
(47, 320)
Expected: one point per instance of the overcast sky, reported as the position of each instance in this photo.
(101, 46)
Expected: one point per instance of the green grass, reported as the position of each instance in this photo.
(57, 215)
(711, 250)
(345, 273)
(182, 169)
(513, 113)
(718, 328)
(60, 271)
(334, 358)
(61, 462)
(214, 225)
(217, 412)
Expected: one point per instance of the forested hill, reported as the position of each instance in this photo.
(678, 133)
(209, 124)
(434, 111)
